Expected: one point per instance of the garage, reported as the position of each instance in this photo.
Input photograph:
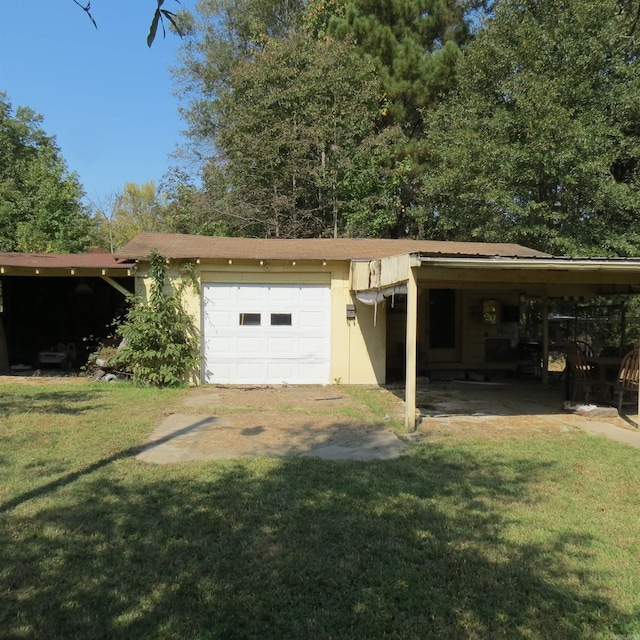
(266, 333)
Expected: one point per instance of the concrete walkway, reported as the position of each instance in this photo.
(632, 438)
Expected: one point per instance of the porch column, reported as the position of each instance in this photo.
(411, 352)
(545, 340)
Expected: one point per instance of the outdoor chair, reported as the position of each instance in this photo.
(625, 387)
(582, 376)
(585, 348)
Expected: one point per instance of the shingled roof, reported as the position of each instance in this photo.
(208, 247)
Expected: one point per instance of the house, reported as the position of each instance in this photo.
(366, 311)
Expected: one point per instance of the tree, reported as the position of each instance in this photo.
(124, 215)
(540, 144)
(289, 132)
(40, 201)
(415, 45)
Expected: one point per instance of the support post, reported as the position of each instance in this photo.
(116, 286)
(411, 352)
(545, 340)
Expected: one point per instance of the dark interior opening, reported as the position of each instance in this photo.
(40, 312)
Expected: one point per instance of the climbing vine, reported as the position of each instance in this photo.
(161, 345)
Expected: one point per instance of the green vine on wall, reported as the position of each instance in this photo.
(161, 345)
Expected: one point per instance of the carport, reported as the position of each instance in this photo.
(50, 299)
(472, 278)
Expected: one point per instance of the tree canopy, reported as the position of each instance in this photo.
(303, 117)
(40, 201)
(540, 143)
(513, 120)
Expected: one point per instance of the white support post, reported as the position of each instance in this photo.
(411, 352)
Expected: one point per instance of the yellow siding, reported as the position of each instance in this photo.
(357, 347)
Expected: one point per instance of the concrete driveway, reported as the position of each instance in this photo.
(334, 422)
(229, 422)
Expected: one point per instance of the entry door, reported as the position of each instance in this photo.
(443, 325)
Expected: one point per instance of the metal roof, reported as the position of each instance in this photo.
(212, 247)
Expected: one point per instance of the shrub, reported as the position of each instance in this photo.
(161, 345)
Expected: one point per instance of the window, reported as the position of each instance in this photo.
(249, 319)
(280, 319)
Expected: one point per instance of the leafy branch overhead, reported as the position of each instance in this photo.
(159, 17)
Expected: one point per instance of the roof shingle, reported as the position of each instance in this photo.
(213, 247)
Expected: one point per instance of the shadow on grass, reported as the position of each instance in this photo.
(61, 401)
(72, 477)
(291, 548)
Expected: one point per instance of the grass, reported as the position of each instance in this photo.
(528, 538)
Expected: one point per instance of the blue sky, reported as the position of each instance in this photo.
(103, 93)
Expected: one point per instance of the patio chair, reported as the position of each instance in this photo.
(582, 376)
(625, 387)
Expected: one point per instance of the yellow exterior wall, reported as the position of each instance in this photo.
(357, 346)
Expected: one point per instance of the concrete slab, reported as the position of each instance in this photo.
(182, 438)
(381, 446)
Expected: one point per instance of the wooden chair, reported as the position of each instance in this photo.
(582, 375)
(625, 387)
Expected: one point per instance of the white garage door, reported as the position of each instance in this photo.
(266, 334)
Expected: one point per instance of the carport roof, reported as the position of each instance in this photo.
(208, 247)
(61, 261)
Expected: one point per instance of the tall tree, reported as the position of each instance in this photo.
(415, 45)
(139, 207)
(288, 133)
(540, 144)
(219, 35)
(40, 201)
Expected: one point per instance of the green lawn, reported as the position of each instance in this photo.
(527, 538)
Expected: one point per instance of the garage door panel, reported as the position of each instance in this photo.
(221, 346)
(284, 346)
(311, 319)
(278, 372)
(250, 295)
(216, 318)
(308, 345)
(248, 372)
(248, 345)
(308, 372)
(278, 295)
(292, 346)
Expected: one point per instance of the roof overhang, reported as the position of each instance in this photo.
(64, 265)
(536, 276)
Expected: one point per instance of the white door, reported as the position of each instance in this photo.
(266, 334)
